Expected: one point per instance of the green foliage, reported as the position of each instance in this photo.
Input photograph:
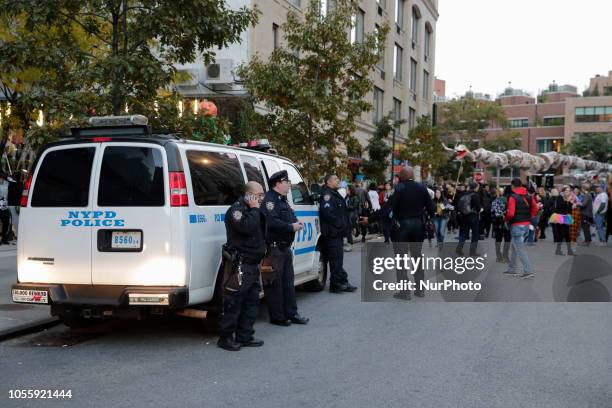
(596, 146)
(424, 148)
(315, 86)
(377, 164)
(507, 140)
(595, 91)
(465, 120)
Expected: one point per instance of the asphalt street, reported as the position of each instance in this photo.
(352, 354)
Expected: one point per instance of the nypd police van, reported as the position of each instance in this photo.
(118, 221)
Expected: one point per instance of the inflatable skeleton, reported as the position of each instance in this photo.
(530, 163)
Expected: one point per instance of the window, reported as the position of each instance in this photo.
(553, 121)
(216, 177)
(397, 63)
(378, 104)
(299, 190)
(275, 36)
(425, 85)
(131, 176)
(427, 42)
(357, 27)
(399, 13)
(413, 75)
(381, 50)
(411, 118)
(270, 167)
(63, 178)
(594, 114)
(548, 145)
(415, 26)
(519, 123)
(381, 3)
(252, 169)
(397, 114)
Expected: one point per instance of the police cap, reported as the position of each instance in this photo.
(278, 177)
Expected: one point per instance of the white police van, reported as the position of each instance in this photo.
(115, 221)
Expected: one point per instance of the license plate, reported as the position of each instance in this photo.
(30, 296)
(126, 240)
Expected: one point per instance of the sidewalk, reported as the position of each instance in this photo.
(15, 316)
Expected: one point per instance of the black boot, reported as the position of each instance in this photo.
(228, 343)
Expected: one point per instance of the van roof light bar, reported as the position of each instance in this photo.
(108, 121)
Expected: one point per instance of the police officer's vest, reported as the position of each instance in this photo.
(522, 208)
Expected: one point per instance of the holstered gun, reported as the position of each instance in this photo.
(232, 275)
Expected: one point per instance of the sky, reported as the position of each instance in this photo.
(488, 43)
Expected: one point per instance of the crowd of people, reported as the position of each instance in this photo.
(573, 215)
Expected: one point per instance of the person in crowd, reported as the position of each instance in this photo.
(374, 206)
(501, 232)
(532, 237)
(485, 214)
(562, 219)
(386, 224)
(585, 204)
(600, 207)
(352, 204)
(470, 207)
(442, 209)
(575, 227)
(545, 200)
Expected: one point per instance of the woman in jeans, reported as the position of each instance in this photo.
(442, 208)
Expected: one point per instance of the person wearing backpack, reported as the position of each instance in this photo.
(469, 207)
(522, 207)
(500, 228)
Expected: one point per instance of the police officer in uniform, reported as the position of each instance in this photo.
(282, 225)
(335, 225)
(409, 204)
(245, 227)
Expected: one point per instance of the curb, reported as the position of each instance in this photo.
(28, 328)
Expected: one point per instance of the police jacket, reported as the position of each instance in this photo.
(334, 214)
(279, 217)
(245, 229)
(410, 200)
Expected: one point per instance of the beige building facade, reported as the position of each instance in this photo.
(403, 80)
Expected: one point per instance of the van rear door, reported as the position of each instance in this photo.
(132, 217)
(54, 234)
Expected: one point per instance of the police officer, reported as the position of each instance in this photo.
(245, 227)
(409, 204)
(335, 225)
(282, 225)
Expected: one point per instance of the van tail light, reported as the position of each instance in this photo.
(178, 189)
(26, 192)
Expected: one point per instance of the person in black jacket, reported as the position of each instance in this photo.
(410, 204)
(245, 227)
(469, 222)
(279, 288)
(562, 205)
(335, 225)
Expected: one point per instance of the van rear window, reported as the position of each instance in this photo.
(63, 178)
(131, 176)
(216, 177)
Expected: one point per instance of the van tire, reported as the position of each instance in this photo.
(317, 285)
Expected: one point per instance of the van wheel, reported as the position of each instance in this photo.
(318, 284)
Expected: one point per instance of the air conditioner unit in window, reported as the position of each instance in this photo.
(189, 77)
(220, 72)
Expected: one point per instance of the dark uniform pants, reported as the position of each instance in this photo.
(5, 218)
(240, 308)
(410, 236)
(334, 253)
(279, 287)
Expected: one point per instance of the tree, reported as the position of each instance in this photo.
(424, 148)
(314, 87)
(595, 90)
(507, 140)
(597, 147)
(375, 167)
(465, 120)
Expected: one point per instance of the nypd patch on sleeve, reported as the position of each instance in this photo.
(270, 205)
